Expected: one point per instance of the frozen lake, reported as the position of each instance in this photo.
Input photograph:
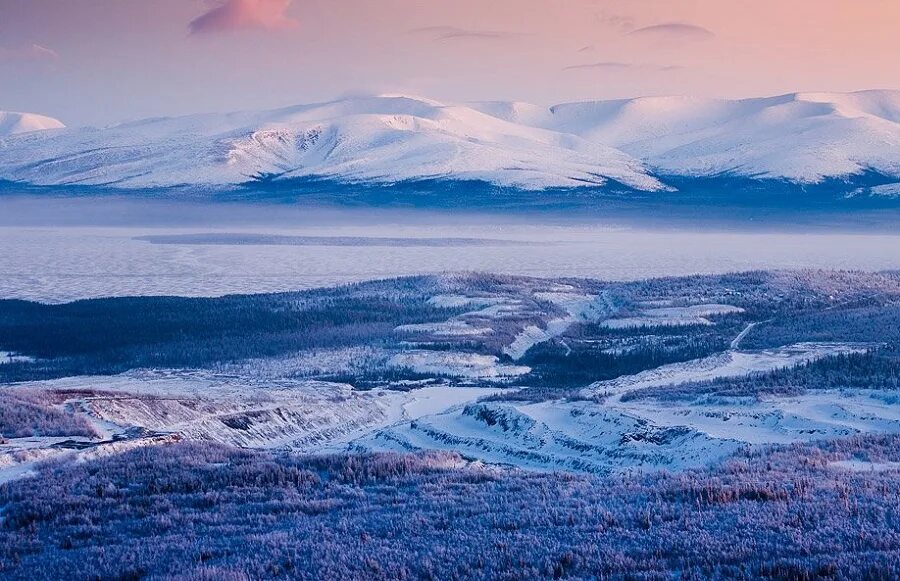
(62, 263)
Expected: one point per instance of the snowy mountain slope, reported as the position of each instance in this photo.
(515, 112)
(16, 123)
(803, 137)
(382, 139)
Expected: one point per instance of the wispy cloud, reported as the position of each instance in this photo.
(674, 31)
(451, 33)
(226, 15)
(617, 66)
(612, 20)
(601, 66)
(32, 53)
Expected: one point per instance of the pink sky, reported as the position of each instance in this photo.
(101, 61)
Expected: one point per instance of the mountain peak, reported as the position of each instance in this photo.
(14, 123)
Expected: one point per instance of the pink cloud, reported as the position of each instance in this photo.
(244, 14)
(33, 53)
(449, 33)
(675, 31)
(616, 66)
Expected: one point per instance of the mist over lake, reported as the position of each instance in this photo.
(123, 248)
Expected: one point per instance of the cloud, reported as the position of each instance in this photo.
(451, 33)
(614, 66)
(227, 15)
(674, 31)
(620, 21)
(602, 66)
(33, 53)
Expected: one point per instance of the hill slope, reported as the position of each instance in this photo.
(804, 138)
(382, 139)
(16, 123)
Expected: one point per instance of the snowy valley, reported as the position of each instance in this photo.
(572, 374)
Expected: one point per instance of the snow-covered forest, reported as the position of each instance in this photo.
(422, 424)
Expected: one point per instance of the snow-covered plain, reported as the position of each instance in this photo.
(803, 137)
(57, 264)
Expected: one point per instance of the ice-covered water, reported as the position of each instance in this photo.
(61, 263)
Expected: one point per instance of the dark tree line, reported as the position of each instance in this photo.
(108, 336)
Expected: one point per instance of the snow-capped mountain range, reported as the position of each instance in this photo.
(803, 138)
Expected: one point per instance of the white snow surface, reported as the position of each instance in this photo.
(300, 415)
(457, 364)
(616, 436)
(445, 329)
(672, 316)
(601, 436)
(611, 435)
(578, 307)
(9, 357)
(60, 264)
(555, 435)
(730, 363)
(816, 415)
(864, 466)
(358, 139)
(887, 190)
(803, 137)
(303, 415)
(12, 123)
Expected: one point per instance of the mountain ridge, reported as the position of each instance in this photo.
(804, 138)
